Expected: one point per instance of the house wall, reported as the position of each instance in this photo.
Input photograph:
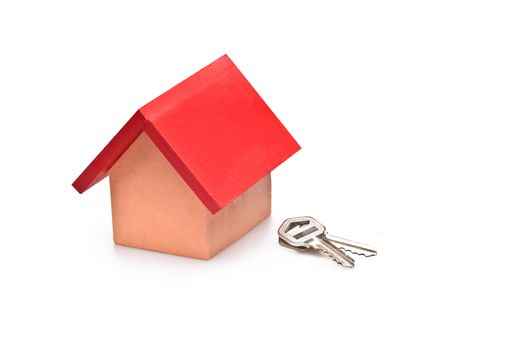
(153, 208)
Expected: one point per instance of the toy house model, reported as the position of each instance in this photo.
(190, 171)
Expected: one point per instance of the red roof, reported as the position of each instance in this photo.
(213, 128)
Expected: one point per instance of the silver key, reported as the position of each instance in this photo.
(341, 243)
(308, 233)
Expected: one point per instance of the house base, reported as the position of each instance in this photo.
(153, 208)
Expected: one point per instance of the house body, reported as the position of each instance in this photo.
(190, 171)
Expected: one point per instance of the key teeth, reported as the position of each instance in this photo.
(335, 259)
(356, 253)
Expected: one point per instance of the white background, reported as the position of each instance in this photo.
(412, 116)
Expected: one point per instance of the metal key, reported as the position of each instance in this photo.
(308, 233)
(341, 243)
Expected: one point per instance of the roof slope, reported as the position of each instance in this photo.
(213, 128)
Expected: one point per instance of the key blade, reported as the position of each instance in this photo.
(284, 243)
(335, 253)
(357, 251)
(352, 246)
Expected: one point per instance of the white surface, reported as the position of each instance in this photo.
(412, 118)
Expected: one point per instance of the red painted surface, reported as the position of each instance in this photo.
(213, 128)
(101, 165)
